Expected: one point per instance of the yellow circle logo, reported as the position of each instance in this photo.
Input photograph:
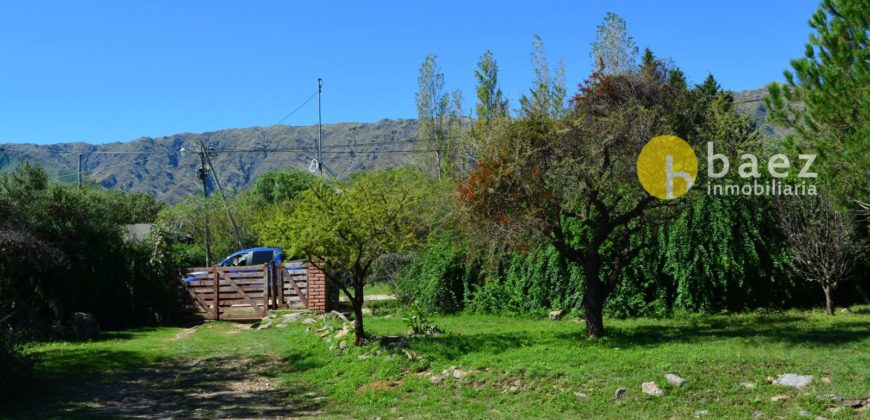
(667, 167)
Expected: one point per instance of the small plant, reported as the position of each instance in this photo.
(418, 321)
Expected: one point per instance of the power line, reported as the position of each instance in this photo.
(297, 109)
(93, 171)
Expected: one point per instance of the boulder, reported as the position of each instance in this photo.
(650, 388)
(557, 315)
(85, 326)
(793, 380)
(674, 379)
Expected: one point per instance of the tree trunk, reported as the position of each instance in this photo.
(359, 331)
(357, 303)
(829, 303)
(593, 301)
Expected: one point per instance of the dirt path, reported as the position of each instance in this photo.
(215, 387)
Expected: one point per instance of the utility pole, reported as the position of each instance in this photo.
(80, 171)
(203, 176)
(319, 129)
(223, 198)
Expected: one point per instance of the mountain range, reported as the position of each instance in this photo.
(167, 166)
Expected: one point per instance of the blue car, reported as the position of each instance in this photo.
(250, 257)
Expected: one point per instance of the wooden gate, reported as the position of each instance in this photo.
(246, 292)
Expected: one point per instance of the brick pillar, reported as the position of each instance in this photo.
(318, 287)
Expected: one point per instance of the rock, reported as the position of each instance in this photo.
(747, 385)
(834, 410)
(701, 413)
(282, 325)
(620, 392)
(769, 379)
(342, 345)
(459, 374)
(805, 413)
(265, 323)
(793, 380)
(343, 332)
(291, 317)
(363, 357)
(845, 311)
(514, 389)
(674, 379)
(339, 315)
(437, 378)
(853, 403)
(85, 326)
(308, 321)
(830, 397)
(557, 315)
(650, 388)
(579, 394)
(757, 415)
(366, 311)
(826, 379)
(776, 398)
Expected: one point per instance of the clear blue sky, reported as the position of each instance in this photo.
(119, 70)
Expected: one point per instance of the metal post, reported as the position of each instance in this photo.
(319, 130)
(203, 176)
(80, 171)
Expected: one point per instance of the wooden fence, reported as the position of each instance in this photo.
(246, 292)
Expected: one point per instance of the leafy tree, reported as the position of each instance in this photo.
(490, 102)
(572, 181)
(345, 227)
(825, 97)
(277, 187)
(547, 97)
(614, 48)
(439, 114)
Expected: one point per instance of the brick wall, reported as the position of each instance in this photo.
(318, 290)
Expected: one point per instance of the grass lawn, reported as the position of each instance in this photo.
(516, 368)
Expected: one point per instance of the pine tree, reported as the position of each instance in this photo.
(825, 98)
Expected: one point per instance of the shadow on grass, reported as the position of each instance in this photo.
(124, 384)
(793, 329)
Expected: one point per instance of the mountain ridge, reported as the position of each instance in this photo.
(156, 165)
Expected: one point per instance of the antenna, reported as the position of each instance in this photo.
(319, 129)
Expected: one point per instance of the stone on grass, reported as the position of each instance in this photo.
(620, 392)
(805, 413)
(343, 332)
(650, 388)
(793, 380)
(366, 311)
(557, 315)
(826, 379)
(845, 311)
(701, 413)
(747, 385)
(579, 394)
(674, 379)
(308, 321)
(757, 414)
(459, 374)
(776, 398)
(342, 345)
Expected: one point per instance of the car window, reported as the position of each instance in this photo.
(261, 257)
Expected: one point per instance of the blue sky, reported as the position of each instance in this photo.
(118, 70)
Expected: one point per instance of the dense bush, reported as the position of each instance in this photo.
(720, 254)
(65, 251)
